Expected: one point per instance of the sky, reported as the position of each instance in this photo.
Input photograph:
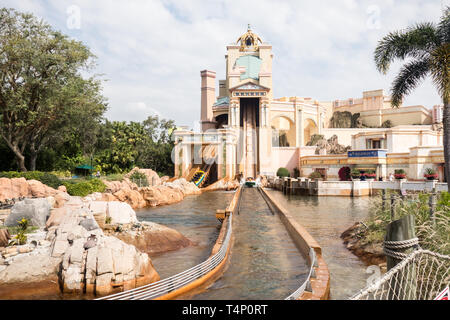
(150, 52)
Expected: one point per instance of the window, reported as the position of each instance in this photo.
(376, 144)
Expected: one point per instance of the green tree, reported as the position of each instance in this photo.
(41, 84)
(427, 48)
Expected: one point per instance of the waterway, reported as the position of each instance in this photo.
(326, 218)
(265, 264)
(195, 218)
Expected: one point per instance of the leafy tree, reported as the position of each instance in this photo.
(41, 84)
(427, 48)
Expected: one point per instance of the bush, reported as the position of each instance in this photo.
(296, 173)
(283, 172)
(344, 174)
(315, 175)
(46, 178)
(82, 188)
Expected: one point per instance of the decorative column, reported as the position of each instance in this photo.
(300, 127)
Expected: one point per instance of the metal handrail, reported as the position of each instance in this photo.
(179, 280)
(307, 283)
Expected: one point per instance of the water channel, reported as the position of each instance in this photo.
(265, 264)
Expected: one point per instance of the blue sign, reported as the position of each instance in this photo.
(366, 153)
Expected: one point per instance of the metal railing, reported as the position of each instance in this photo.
(177, 281)
(307, 283)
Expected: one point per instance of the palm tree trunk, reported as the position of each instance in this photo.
(446, 124)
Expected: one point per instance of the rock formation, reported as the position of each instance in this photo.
(223, 184)
(330, 146)
(154, 238)
(91, 261)
(16, 188)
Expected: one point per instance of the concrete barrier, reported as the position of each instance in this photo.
(320, 284)
(356, 188)
(202, 283)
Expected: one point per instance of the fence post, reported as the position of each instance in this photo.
(392, 207)
(400, 230)
(383, 199)
(432, 205)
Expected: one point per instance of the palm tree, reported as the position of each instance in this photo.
(427, 48)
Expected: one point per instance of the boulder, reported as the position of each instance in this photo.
(60, 199)
(20, 187)
(121, 212)
(155, 238)
(132, 197)
(4, 237)
(36, 211)
(40, 190)
(56, 217)
(5, 189)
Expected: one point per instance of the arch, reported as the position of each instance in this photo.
(309, 128)
(221, 120)
(283, 132)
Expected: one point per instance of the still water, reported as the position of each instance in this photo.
(326, 218)
(195, 218)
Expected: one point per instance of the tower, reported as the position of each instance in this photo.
(208, 97)
(249, 87)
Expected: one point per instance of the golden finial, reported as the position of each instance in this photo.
(249, 40)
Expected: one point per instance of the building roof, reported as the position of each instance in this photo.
(222, 101)
(252, 66)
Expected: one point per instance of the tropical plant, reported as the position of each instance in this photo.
(355, 173)
(399, 174)
(430, 174)
(427, 48)
(282, 172)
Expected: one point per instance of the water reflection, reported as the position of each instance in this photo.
(326, 218)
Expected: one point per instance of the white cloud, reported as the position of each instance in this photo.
(152, 52)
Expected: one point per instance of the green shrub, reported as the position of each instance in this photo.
(283, 172)
(315, 175)
(82, 188)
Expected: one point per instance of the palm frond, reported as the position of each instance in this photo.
(443, 28)
(415, 42)
(440, 70)
(410, 75)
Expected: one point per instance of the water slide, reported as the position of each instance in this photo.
(200, 173)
